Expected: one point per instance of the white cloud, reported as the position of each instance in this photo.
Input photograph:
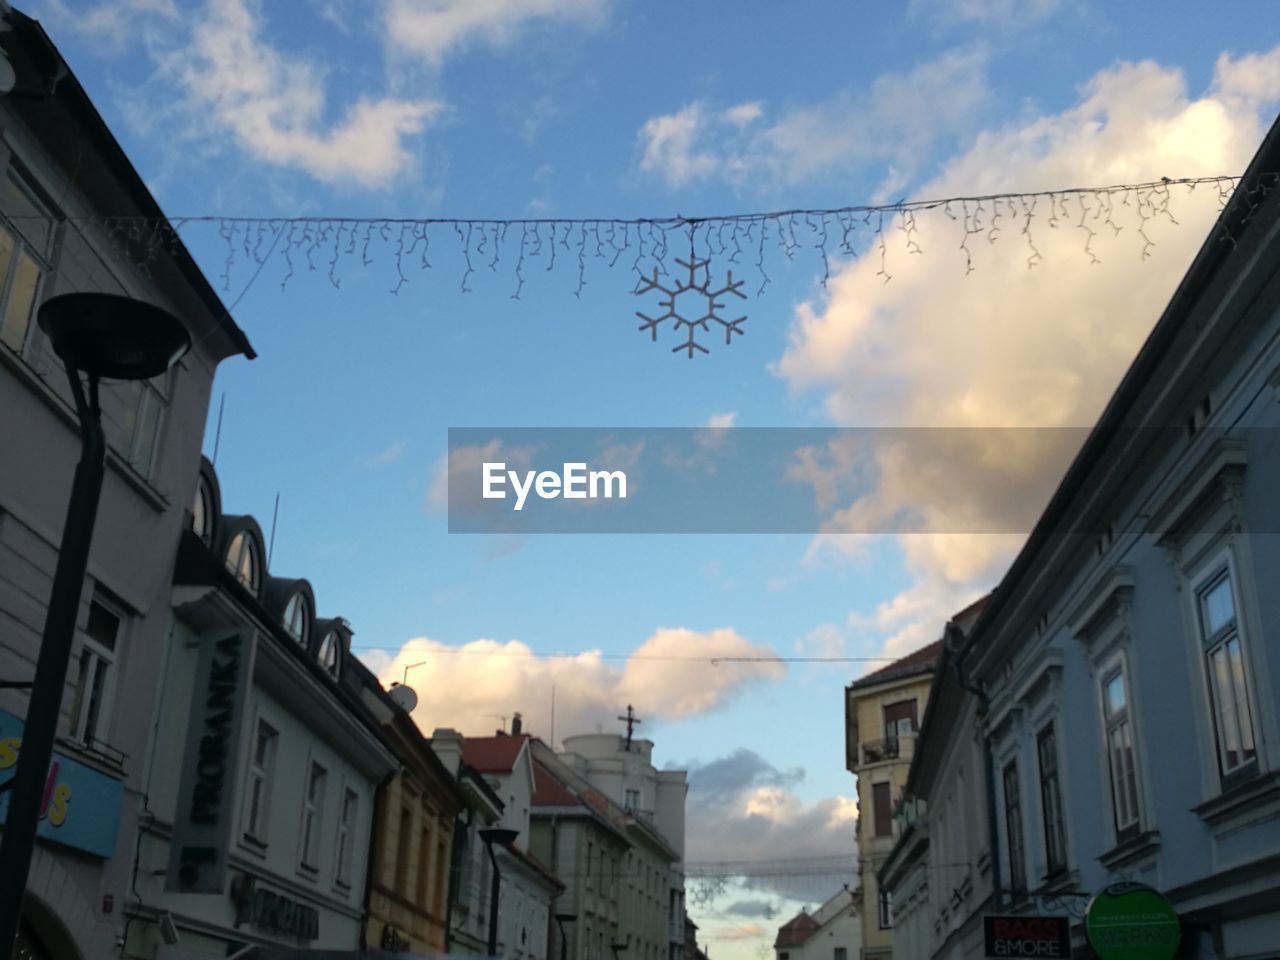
(465, 687)
(466, 463)
(434, 28)
(274, 105)
(1009, 346)
(998, 12)
(113, 25)
(722, 421)
(389, 454)
(893, 120)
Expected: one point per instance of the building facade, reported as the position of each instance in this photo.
(1124, 670)
(259, 793)
(832, 932)
(416, 811)
(882, 714)
(55, 239)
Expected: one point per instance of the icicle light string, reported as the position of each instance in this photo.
(321, 244)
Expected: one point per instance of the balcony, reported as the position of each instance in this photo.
(901, 747)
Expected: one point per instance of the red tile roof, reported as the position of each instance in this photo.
(550, 792)
(921, 661)
(796, 931)
(492, 754)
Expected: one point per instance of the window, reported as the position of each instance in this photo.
(899, 718)
(425, 848)
(591, 856)
(295, 618)
(242, 559)
(885, 902)
(403, 842)
(1120, 758)
(26, 239)
(346, 831)
(1055, 841)
(258, 794)
(633, 800)
(96, 682)
(142, 420)
(1013, 827)
(1228, 685)
(202, 512)
(441, 853)
(880, 802)
(330, 653)
(312, 805)
(840, 953)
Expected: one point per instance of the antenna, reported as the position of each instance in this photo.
(553, 716)
(271, 545)
(420, 663)
(217, 433)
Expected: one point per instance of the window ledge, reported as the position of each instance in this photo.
(253, 844)
(108, 761)
(1244, 796)
(1131, 850)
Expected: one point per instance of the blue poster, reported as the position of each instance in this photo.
(80, 807)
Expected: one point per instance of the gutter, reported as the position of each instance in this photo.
(375, 830)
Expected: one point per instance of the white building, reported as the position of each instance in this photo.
(832, 932)
(54, 239)
(1124, 671)
(259, 795)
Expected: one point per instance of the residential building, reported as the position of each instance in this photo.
(56, 237)
(653, 805)
(413, 824)
(259, 793)
(832, 932)
(1124, 669)
(526, 885)
(576, 832)
(467, 913)
(882, 712)
(691, 949)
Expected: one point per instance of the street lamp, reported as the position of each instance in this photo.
(505, 838)
(561, 920)
(102, 336)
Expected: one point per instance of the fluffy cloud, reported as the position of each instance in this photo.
(113, 25)
(665, 677)
(433, 28)
(1009, 346)
(907, 112)
(274, 105)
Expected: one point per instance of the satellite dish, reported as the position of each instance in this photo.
(403, 697)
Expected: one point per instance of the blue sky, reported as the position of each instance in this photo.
(615, 108)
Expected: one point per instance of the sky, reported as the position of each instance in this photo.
(1021, 315)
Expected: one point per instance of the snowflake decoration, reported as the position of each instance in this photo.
(692, 291)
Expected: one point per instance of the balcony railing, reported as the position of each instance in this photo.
(893, 748)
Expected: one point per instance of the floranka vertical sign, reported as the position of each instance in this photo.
(207, 791)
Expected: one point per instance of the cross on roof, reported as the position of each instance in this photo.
(630, 720)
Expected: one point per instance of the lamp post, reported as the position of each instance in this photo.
(490, 837)
(561, 920)
(100, 336)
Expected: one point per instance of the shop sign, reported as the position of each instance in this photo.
(80, 807)
(207, 790)
(1131, 921)
(273, 912)
(1027, 936)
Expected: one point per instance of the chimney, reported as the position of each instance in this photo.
(516, 724)
(447, 745)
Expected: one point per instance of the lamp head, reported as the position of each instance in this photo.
(499, 836)
(113, 337)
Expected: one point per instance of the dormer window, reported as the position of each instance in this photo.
(330, 652)
(202, 512)
(242, 560)
(295, 618)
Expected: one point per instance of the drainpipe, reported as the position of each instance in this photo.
(376, 823)
(956, 642)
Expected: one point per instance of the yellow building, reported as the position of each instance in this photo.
(882, 715)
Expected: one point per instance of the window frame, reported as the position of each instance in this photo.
(258, 834)
(43, 259)
(93, 724)
(297, 609)
(311, 828)
(1052, 814)
(1015, 839)
(1116, 668)
(1222, 568)
(876, 812)
(884, 909)
(344, 847)
(248, 546)
(332, 640)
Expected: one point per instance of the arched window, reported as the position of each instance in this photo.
(331, 652)
(202, 512)
(296, 617)
(242, 559)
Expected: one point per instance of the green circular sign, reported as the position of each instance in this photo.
(1130, 921)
